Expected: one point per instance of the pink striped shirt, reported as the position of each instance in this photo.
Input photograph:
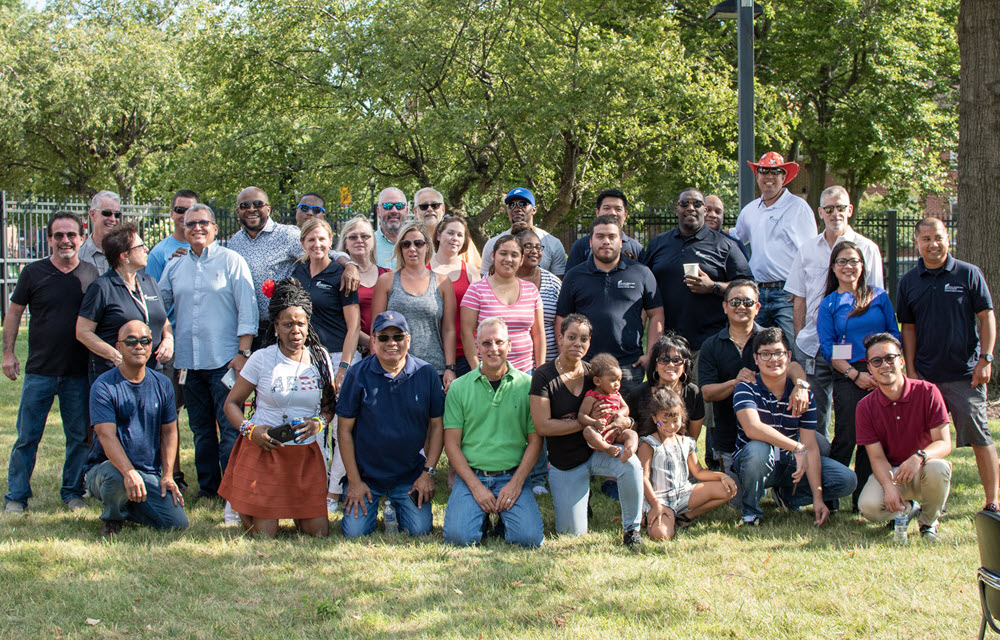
(520, 317)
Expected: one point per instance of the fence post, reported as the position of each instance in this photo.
(892, 242)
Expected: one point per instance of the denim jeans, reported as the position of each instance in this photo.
(205, 398)
(107, 485)
(821, 383)
(571, 490)
(416, 522)
(776, 311)
(37, 393)
(540, 472)
(463, 518)
(758, 470)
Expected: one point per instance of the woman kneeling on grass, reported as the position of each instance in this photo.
(668, 456)
(267, 480)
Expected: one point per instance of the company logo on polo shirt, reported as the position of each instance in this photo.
(954, 288)
(149, 297)
(323, 285)
(626, 285)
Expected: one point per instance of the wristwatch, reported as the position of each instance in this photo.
(344, 365)
(431, 471)
(923, 456)
(716, 289)
(988, 357)
(802, 384)
(449, 367)
(246, 353)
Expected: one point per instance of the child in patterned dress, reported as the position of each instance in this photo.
(600, 433)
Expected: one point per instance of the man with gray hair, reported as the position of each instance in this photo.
(393, 210)
(430, 207)
(105, 213)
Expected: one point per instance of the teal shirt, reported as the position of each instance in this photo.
(495, 425)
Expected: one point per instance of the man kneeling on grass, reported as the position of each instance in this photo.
(130, 468)
(492, 445)
(777, 450)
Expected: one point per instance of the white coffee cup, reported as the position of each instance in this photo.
(691, 269)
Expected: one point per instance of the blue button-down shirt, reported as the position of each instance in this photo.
(214, 303)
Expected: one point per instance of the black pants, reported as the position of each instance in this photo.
(846, 396)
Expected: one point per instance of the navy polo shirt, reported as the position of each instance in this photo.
(943, 304)
(109, 304)
(392, 416)
(772, 411)
(613, 301)
(328, 303)
(720, 361)
(694, 316)
(580, 252)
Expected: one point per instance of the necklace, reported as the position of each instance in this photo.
(577, 372)
(298, 369)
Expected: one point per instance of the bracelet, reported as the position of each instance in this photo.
(352, 262)
(847, 374)
(245, 427)
(796, 451)
(250, 435)
(322, 422)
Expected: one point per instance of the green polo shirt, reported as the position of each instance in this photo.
(495, 425)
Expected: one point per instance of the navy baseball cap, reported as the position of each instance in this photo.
(388, 319)
(520, 192)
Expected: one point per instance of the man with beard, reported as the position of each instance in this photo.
(393, 210)
(105, 214)
(521, 208)
(271, 250)
(613, 292)
(610, 202)
(52, 288)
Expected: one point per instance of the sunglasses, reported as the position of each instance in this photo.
(107, 213)
(839, 208)
(767, 355)
(518, 204)
(424, 206)
(252, 204)
(387, 206)
(180, 210)
(668, 360)
(191, 224)
(419, 244)
(778, 171)
(396, 337)
(59, 236)
(843, 262)
(889, 359)
(131, 341)
(364, 237)
(697, 204)
(736, 302)
(316, 211)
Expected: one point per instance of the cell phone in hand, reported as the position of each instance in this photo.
(229, 379)
(282, 432)
(415, 497)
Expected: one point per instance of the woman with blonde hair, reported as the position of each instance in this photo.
(357, 239)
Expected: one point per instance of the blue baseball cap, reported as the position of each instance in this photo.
(388, 319)
(520, 192)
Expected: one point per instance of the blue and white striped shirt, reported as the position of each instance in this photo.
(772, 411)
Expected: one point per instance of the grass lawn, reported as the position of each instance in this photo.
(786, 579)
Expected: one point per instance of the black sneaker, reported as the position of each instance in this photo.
(632, 539)
(111, 528)
(929, 532)
(779, 500)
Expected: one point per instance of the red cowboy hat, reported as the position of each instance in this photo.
(775, 159)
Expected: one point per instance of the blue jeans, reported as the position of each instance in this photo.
(758, 470)
(416, 522)
(37, 393)
(540, 472)
(205, 398)
(107, 485)
(821, 383)
(571, 490)
(463, 518)
(776, 311)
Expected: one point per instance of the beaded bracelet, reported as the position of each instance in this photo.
(245, 428)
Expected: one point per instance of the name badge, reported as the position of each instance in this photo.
(842, 352)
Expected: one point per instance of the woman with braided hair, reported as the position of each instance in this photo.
(268, 480)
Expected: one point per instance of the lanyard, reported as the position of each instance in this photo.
(847, 319)
(139, 299)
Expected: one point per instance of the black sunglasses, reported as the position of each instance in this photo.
(131, 341)
(697, 204)
(58, 236)
(191, 224)
(420, 244)
(180, 210)
(253, 204)
(746, 302)
(778, 171)
(316, 211)
(107, 213)
(668, 360)
(840, 208)
(396, 337)
(424, 206)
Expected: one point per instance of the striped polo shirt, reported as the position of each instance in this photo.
(772, 411)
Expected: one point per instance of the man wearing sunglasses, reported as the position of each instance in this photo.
(174, 244)
(311, 205)
(520, 204)
(105, 214)
(774, 225)
(130, 466)
(431, 209)
(217, 318)
(52, 288)
(389, 427)
(610, 202)
(392, 212)
(807, 284)
(903, 425)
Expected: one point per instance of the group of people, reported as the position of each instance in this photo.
(531, 370)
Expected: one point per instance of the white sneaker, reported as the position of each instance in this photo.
(540, 490)
(332, 506)
(230, 516)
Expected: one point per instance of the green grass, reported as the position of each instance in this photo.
(787, 579)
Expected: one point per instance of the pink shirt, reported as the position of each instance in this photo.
(520, 317)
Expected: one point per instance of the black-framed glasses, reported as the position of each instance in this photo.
(767, 355)
(180, 210)
(396, 337)
(424, 206)
(675, 360)
(191, 224)
(697, 204)
(843, 262)
(59, 236)
(107, 213)
(527, 246)
(778, 171)
(839, 208)
(364, 237)
(138, 246)
(419, 244)
(889, 359)
(315, 210)
(131, 341)
(736, 302)
(518, 204)
(387, 206)
(252, 204)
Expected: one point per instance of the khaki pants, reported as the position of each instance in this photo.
(930, 487)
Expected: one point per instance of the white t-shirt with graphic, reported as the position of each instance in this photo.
(284, 387)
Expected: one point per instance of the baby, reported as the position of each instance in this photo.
(600, 433)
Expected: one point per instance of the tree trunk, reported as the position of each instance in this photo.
(817, 178)
(979, 138)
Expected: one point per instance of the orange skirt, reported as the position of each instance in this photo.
(287, 482)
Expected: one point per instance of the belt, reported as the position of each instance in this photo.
(777, 284)
(493, 473)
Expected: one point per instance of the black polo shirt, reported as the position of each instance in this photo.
(109, 304)
(719, 361)
(943, 304)
(328, 303)
(613, 301)
(694, 316)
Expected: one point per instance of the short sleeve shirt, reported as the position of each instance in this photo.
(109, 303)
(720, 360)
(772, 411)
(775, 234)
(286, 389)
(520, 317)
(570, 450)
(328, 303)
(553, 253)
(901, 426)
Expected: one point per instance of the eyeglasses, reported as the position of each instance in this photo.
(424, 206)
(767, 355)
(316, 211)
(840, 208)
(131, 341)
(107, 213)
(138, 246)
(684, 204)
(736, 302)
(387, 206)
(843, 262)
(778, 171)
(419, 244)
(59, 236)
(889, 359)
(668, 360)
(526, 247)
(518, 204)
(396, 337)
(364, 237)
(252, 204)
(180, 210)
(191, 224)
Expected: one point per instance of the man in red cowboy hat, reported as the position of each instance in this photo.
(774, 225)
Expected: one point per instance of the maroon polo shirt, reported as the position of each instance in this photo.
(901, 426)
